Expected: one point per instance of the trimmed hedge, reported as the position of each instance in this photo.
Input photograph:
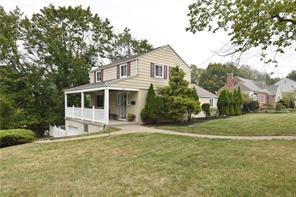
(16, 136)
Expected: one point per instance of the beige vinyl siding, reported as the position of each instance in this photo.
(134, 68)
(110, 73)
(163, 56)
(91, 77)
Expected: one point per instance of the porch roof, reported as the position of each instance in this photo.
(87, 87)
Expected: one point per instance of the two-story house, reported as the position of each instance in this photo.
(120, 88)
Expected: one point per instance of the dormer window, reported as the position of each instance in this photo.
(123, 70)
(158, 70)
(98, 76)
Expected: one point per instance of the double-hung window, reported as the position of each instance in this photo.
(158, 70)
(211, 102)
(123, 70)
(99, 76)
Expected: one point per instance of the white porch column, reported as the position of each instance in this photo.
(66, 104)
(106, 106)
(82, 105)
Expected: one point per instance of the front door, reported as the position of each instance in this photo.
(122, 106)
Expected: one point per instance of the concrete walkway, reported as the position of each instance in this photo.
(127, 129)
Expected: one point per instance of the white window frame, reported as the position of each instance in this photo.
(99, 75)
(162, 69)
(120, 68)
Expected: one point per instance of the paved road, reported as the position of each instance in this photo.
(127, 129)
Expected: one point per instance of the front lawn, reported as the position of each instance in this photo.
(247, 125)
(149, 165)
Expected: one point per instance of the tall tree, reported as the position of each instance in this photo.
(195, 74)
(124, 45)
(42, 56)
(214, 76)
(292, 75)
(267, 24)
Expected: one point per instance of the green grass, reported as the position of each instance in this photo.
(247, 125)
(149, 165)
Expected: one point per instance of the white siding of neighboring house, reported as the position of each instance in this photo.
(206, 100)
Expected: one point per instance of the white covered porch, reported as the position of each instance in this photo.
(92, 112)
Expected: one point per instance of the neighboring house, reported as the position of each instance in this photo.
(205, 97)
(120, 88)
(286, 85)
(256, 90)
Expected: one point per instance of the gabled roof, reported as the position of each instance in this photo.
(134, 57)
(272, 89)
(286, 85)
(253, 85)
(203, 93)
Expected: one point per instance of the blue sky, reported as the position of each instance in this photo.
(164, 22)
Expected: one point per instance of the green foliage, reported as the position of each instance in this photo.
(16, 136)
(8, 113)
(279, 107)
(178, 98)
(292, 75)
(150, 113)
(124, 45)
(289, 99)
(195, 74)
(222, 102)
(131, 117)
(214, 77)
(52, 51)
(206, 109)
(265, 24)
(250, 106)
(238, 101)
(230, 102)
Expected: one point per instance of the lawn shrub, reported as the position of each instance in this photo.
(206, 109)
(131, 117)
(279, 107)
(150, 113)
(16, 136)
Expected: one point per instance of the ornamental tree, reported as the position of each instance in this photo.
(178, 98)
(151, 109)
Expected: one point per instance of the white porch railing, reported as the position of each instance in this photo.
(91, 114)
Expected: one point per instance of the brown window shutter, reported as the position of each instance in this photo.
(128, 69)
(95, 76)
(165, 70)
(102, 75)
(118, 70)
(152, 70)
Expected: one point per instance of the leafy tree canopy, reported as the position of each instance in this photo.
(292, 75)
(195, 74)
(52, 51)
(214, 76)
(268, 24)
